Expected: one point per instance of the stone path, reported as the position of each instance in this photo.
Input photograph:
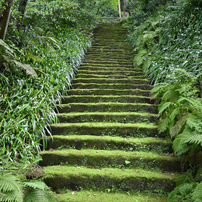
(106, 147)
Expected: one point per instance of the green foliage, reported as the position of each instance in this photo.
(53, 45)
(14, 190)
(181, 110)
(10, 188)
(166, 44)
(187, 189)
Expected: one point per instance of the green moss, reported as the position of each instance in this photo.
(107, 72)
(109, 143)
(108, 92)
(95, 196)
(107, 98)
(106, 178)
(107, 106)
(106, 65)
(102, 80)
(105, 128)
(114, 158)
(117, 76)
(121, 117)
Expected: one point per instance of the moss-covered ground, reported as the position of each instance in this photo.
(106, 146)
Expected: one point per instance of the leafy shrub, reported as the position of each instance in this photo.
(180, 110)
(187, 190)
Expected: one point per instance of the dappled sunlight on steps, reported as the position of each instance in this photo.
(106, 146)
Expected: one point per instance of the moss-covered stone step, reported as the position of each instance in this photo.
(110, 86)
(109, 92)
(142, 129)
(107, 40)
(107, 56)
(113, 46)
(110, 51)
(113, 158)
(107, 65)
(110, 143)
(112, 76)
(105, 80)
(73, 177)
(108, 72)
(107, 98)
(107, 62)
(105, 68)
(132, 74)
(121, 117)
(108, 196)
(107, 107)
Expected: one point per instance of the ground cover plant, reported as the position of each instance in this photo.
(167, 45)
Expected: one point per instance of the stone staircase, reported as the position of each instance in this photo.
(106, 146)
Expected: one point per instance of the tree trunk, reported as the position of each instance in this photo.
(119, 7)
(4, 19)
(124, 12)
(22, 7)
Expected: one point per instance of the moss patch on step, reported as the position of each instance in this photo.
(107, 178)
(107, 98)
(113, 158)
(121, 117)
(110, 86)
(108, 142)
(95, 196)
(107, 80)
(105, 128)
(107, 107)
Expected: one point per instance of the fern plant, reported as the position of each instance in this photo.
(14, 190)
(10, 188)
(181, 110)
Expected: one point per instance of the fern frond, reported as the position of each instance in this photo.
(11, 188)
(171, 95)
(181, 193)
(180, 144)
(175, 130)
(195, 123)
(35, 185)
(9, 182)
(29, 70)
(165, 106)
(40, 195)
(197, 194)
(158, 89)
(163, 125)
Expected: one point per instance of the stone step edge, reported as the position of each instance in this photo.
(126, 179)
(112, 158)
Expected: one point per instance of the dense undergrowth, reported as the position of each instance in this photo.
(38, 65)
(166, 44)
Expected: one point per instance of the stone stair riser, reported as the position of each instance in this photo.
(105, 118)
(103, 144)
(110, 81)
(102, 183)
(80, 107)
(98, 161)
(97, 99)
(108, 92)
(97, 131)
